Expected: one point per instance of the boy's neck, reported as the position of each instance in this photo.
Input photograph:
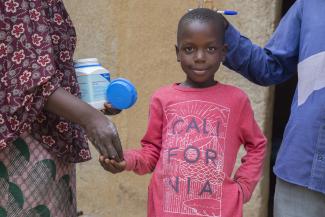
(191, 84)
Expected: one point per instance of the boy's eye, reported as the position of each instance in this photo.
(188, 49)
(211, 48)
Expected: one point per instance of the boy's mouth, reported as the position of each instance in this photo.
(199, 71)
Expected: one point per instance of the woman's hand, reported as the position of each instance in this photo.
(109, 110)
(111, 165)
(104, 136)
(99, 129)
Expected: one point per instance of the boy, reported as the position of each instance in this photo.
(194, 132)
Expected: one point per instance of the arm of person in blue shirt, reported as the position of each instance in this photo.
(275, 63)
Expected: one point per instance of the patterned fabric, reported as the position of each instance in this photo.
(34, 182)
(37, 41)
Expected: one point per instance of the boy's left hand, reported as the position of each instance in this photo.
(112, 165)
(109, 110)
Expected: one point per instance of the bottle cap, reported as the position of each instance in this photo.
(121, 93)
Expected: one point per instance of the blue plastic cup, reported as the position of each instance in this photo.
(121, 93)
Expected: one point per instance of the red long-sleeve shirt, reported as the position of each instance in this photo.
(191, 146)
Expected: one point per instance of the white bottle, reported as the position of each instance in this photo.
(93, 80)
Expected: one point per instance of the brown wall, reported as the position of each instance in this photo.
(135, 39)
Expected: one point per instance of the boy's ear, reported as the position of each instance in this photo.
(225, 47)
(177, 53)
(224, 51)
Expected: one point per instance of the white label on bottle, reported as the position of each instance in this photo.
(93, 87)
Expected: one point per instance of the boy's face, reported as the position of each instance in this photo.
(200, 51)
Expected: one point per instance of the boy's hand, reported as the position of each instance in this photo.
(112, 165)
(109, 110)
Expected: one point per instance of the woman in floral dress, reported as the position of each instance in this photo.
(41, 117)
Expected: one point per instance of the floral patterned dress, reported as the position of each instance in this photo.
(37, 149)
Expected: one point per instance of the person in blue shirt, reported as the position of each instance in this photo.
(297, 46)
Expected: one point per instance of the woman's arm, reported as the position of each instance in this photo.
(100, 130)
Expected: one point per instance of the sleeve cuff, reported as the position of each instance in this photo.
(129, 160)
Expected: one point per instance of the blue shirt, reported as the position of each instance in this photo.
(297, 45)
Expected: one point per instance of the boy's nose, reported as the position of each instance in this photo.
(199, 56)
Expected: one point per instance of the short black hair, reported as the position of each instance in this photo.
(203, 15)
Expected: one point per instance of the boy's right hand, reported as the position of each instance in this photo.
(111, 165)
